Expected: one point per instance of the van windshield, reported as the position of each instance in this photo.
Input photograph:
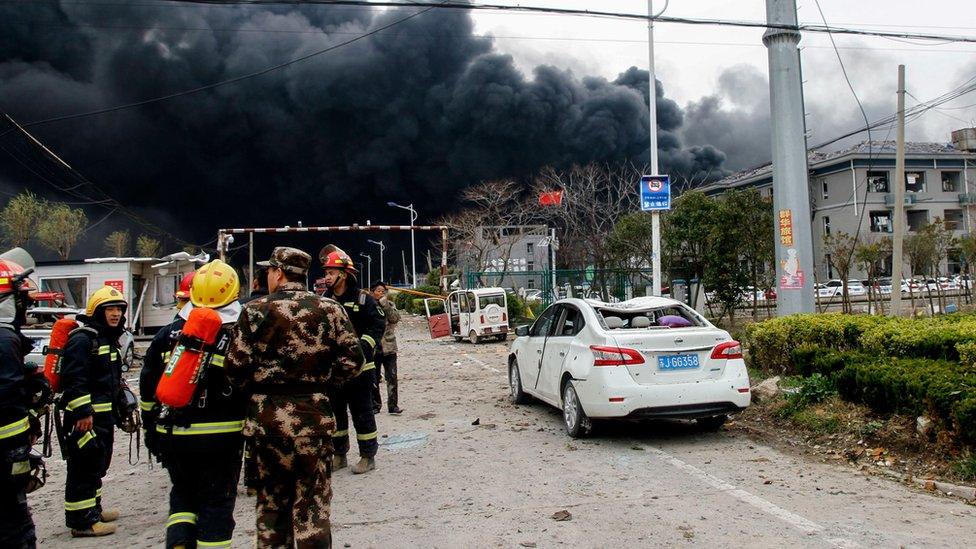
(494, 299)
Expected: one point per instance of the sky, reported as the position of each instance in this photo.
(698, 61)
(428, 107)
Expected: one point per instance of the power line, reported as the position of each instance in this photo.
(330, 33)
(108, 201)
(589, 13)
(230, 80)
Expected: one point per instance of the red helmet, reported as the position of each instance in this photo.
(8, 270)
(184, 290)
(339, 260)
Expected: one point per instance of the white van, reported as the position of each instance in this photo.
(478, 314)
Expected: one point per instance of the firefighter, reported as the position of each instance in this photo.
(355, 394)
(19, 427)
(91, 368)
(157, 356)
(201, 444)
(286, 348)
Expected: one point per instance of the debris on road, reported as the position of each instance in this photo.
(561, 516)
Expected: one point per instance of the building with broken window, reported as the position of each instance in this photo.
(852, 190)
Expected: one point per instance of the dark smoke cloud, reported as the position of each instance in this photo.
(413, 114)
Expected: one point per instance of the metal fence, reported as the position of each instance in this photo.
(547, 286)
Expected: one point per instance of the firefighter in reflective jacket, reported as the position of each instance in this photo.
(356, 394)
(156, 358)
(18, 424)
(91, 366)
(201, 444)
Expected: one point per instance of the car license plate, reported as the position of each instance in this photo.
(677, 362)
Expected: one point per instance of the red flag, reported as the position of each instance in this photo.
(551, 198)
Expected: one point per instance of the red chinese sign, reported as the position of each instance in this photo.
(786, 227)
(117, 284)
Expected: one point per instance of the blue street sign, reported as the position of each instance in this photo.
(655, 192)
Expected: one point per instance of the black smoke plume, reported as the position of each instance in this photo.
(412, 114)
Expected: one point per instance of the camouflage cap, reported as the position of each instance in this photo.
(292, 260)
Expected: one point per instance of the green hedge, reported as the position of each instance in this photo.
(776, 345)
(943, 389)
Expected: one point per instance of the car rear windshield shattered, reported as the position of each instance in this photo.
(656, 318)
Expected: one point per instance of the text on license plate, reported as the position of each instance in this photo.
(677, 362)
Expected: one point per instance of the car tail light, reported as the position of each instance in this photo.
(727, 350)
(504, 317)
(615, 356)
(482, 319)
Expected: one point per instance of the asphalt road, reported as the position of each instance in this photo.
(443, 482)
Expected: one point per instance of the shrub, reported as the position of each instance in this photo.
(771, 343)
(935, 338)
(939, 388)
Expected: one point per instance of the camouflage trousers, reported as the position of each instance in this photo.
(294, 485)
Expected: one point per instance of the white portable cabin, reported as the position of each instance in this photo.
(147, 283)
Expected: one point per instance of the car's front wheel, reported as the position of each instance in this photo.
(574, 418)
(515, 384)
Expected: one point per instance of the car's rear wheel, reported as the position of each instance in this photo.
(515, 384)
(713, 423)
(574, 418)
(473, 337)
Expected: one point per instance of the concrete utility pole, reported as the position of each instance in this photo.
(898, 181)
(791, 188)
(652, 115)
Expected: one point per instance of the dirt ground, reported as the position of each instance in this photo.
(462, 467)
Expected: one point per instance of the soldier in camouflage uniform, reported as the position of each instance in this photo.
(287, 346)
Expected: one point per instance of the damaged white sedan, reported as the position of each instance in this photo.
(647, 357)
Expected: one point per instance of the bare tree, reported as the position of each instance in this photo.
(118, 243)
(61, 228)
(839, 247)
(19, 220)
(870, 254)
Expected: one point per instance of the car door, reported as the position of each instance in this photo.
(530, 355)
(559, 347)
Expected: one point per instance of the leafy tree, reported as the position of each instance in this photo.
(20, 219)
(147, 246)
(724, 273)
(61, 228)
(754, 232)
(684, 236)
(118, 243)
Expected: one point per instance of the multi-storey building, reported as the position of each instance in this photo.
(512, 251)
(852, 190)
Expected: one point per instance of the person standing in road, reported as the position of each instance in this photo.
(259, 288)
(356, 394)
(200, 444)
(386, 353)
(91, 368)
(287, 347)
(19, 427)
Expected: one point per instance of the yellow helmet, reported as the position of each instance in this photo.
(214, 285)
(103, 297)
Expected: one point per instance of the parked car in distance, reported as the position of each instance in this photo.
(964, 280)
(648, 357)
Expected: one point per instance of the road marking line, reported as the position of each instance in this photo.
(769, 507)
(482, 363)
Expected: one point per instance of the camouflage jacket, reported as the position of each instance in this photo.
(284, 349)
(388, 345)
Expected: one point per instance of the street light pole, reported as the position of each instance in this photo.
(413, 249)
(652, 115)
(369, 265)
(382, 247)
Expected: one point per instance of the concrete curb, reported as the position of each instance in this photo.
(966, 493)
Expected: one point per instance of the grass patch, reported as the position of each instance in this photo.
(965, 468)
(818, 420)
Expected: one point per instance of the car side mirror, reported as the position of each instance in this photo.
(522, 331)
